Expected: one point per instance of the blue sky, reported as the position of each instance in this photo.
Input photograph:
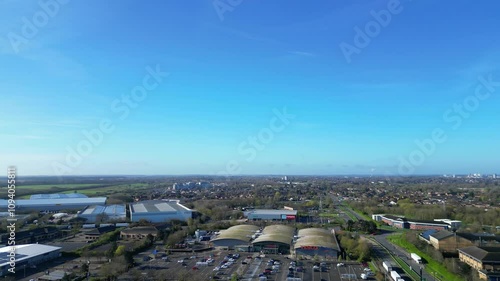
(229, 74)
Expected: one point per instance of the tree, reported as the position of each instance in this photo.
(120, 250)
(84, 268)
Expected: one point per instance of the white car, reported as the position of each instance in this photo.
(216, 268)
(180, 261)
(340, 264)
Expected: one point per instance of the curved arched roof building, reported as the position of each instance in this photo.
(316, 241)
(235, 236)
(275, 239)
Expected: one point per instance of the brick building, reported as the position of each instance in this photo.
(486, 260)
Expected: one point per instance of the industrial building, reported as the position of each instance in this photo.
(236, 236)
(158, 211)
(275, 239)
(27, 255)
(96, 213)
(54, 202)
(271, 215)
(404, 223)
(316, 242)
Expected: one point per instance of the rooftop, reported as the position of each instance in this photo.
(426, 234)
(24, 252)
(241, 232)
(58, 196)
(272, 212)
(32, 232)
(276, 233)
(110, 210)
(157, 206)
(100, 230)
(316, 237)
(483, 254)
(442, 234)
(140, 230)
(56, 202)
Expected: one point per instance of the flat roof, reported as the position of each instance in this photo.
(404, 219)
(110, 210)
(272, 212)
(58, 196)
(56, 202)
(24, 252)
(140, 230)
(158, 206)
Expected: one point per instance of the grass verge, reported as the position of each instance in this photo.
(432, 265)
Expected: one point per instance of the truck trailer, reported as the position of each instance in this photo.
(416, 257)
(395, 276)
(387, 266)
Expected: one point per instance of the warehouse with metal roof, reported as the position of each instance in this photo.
(275, 239)
(158, 211)
(58, 196)
(96, 213)
(55, 202)
(271, 215)
(26, 255)
(316, 241)
(239, 235)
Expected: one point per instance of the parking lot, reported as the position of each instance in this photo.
(303, 269)
(177, 264)
(249, 266)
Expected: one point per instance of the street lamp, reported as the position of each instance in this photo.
(88, 270)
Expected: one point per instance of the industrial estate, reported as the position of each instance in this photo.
(257, 228)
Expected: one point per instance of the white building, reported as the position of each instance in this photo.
(95, 213)
(55, 202)
(271, 215)
(27, 255)
(454, 224)
(159, 211)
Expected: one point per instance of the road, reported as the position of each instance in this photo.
(395, 250)
(403, 254)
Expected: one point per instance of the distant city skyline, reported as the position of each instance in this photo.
(173, 88)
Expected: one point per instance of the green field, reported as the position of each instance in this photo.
(24, 191)
(122, 188)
